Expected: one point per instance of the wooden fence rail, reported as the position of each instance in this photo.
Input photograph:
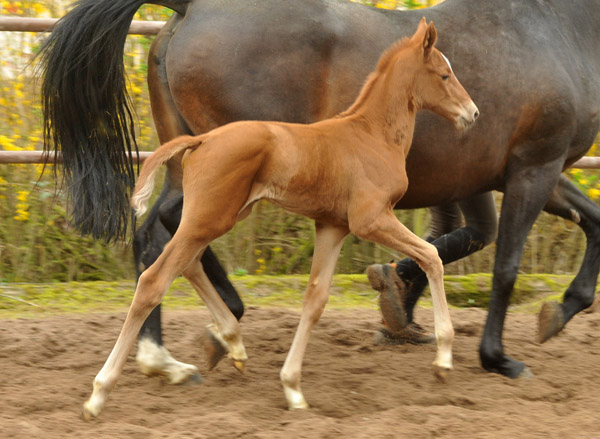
(22, 24)
(37, 157)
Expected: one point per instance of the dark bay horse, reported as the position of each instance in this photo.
(532, 67)
(346, 173)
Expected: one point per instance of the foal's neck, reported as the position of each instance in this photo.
(387, 105)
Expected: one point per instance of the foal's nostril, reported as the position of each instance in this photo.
(476, 115)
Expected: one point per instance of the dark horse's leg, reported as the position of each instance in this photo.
(569, 203)
(528, 189)
(163, 220)
(453, 243)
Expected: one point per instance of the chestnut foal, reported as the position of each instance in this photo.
(346, 173)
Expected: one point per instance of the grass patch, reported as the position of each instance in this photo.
(348, 291)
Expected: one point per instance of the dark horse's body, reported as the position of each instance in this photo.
(532, 67)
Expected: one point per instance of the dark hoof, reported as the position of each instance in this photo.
(412, 334)
(384, 279)
(196, 378)
(551, 321)
(213, 348)
(508, 367)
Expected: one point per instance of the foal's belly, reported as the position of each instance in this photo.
(317, 202)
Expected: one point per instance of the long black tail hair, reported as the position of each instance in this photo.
(88, 113)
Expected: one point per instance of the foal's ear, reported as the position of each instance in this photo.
(426, 35)
(429, 39)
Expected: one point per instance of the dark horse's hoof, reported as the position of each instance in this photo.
(392, 289)
(504, 365)
(551, 321)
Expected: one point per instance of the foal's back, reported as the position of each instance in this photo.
(317, 170)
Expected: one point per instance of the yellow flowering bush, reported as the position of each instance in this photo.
(36, 243)
(399, 4)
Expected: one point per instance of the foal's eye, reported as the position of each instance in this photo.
(444, 77)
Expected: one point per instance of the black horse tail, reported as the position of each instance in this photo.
(88, 113)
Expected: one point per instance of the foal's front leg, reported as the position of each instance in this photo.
(388, 231)
(328, 244)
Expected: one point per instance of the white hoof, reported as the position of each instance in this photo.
(94, 405)
(295, 399)
(90, 410)
(156, 360)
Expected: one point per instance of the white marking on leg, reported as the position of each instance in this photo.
(444, 332)
(295, 398)
(156, 360)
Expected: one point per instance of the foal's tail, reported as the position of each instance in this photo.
(145, 184)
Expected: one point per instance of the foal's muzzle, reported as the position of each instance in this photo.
(467, 116)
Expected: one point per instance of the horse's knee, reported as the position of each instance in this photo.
(315, 300)
(149, 292)
(430, 261)
(505, 273)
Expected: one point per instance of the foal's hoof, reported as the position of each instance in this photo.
(214, 349)
(240, 366)
(88, 412)
(295, 399)
(551, 321)
(392, 289)
(442, 374)
(526, 373)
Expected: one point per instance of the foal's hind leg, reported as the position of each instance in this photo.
(226, 329)
(388, 231)
(151, 287)
(152, 357)
(569, 203)
(328, 244)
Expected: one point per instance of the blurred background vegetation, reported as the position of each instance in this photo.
(37, 245)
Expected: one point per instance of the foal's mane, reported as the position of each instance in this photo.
(382, 65)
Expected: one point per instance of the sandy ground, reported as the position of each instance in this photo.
(356, 389)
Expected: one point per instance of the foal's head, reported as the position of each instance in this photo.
(435, 85)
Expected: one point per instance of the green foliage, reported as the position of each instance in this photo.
(347, 291)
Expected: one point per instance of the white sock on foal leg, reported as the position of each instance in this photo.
(155, 360)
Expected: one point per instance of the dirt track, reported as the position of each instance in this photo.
(356, 389)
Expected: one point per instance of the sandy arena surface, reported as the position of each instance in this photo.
(356, 389)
